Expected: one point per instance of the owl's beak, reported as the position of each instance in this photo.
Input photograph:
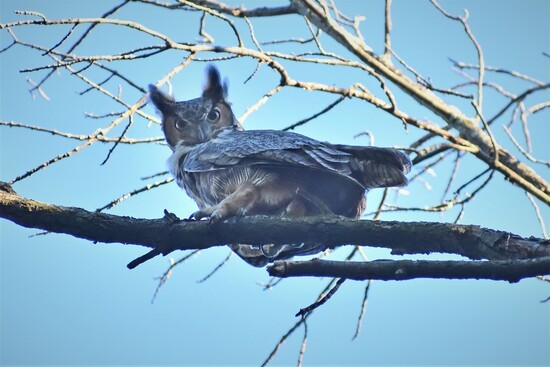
(204, 132)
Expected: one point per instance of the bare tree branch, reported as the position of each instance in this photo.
(448, 137)
(166, 275)
(518, 172)
(471, 135)
(513, 73)
(363, 309)
(243, 12)
(508, 270)
(100, 137)
(481, 60)
(304, 311)
(165, 236)
(387, 31)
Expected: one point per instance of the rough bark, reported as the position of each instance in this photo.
(165, 235)
(508, 270)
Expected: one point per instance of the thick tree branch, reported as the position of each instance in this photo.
(509, 166)
(243, 12)
(509, 270)
(164, 235)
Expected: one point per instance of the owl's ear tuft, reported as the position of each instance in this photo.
(162, 101)
(214, 89)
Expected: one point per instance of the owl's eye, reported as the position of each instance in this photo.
(180, 124)
(214, 114)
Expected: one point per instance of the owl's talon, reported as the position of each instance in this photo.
(203, 213)
(215, 217)
(196, 216)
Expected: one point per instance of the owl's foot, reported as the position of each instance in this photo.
(236, 204)
(214, 213)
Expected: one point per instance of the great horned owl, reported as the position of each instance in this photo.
(230, 171)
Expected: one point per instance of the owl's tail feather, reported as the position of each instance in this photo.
(378, 167)
(260, 256)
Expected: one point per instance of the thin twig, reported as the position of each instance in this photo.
(429, 152)
(130, 122)
(489, 133)
(99, 137)
(538, 107)
(218, 267)
(378, 212)
(304, 311)
(163, 173)
(282, 340)
(303, 345)
(252, 34)
(270, 284)
(62, 40)
(294, 40)
(166, 275)
(363, 309)
(315, 115)
(462, 187)
(481, 60)
(37, 88)
(519, 98)
(206, 37)
(82, 37)
(217, 15)
(526, 133)
(387, 30)
(428, 167)
(460, 214)
(35, 13)
(513, 73)
(299, 322)
(56, 159)
(446, 205)
(253, 74)
(452, 177)
(539, 214)
(134, 193)
(260, 102)
(526, 154)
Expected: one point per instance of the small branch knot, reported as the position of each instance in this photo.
(277, 269)
(400, 273)
(6, 187)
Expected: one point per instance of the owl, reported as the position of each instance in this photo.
(229, 171)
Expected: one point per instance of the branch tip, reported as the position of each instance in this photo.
(277, 269)
(143, 258)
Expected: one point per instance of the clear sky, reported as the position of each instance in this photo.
(66, 301)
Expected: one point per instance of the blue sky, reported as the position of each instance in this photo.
(66, 301)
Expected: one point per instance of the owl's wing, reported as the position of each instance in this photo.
(369, 167)
(378, 167)
(266, 147)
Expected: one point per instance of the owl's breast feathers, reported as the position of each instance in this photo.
(290, 172)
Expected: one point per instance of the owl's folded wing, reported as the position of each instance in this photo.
(369, 167)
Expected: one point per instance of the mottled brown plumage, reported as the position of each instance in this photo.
(229, 171)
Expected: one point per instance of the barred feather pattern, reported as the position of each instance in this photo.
(228, 170)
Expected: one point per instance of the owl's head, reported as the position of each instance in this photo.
(198, 120)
